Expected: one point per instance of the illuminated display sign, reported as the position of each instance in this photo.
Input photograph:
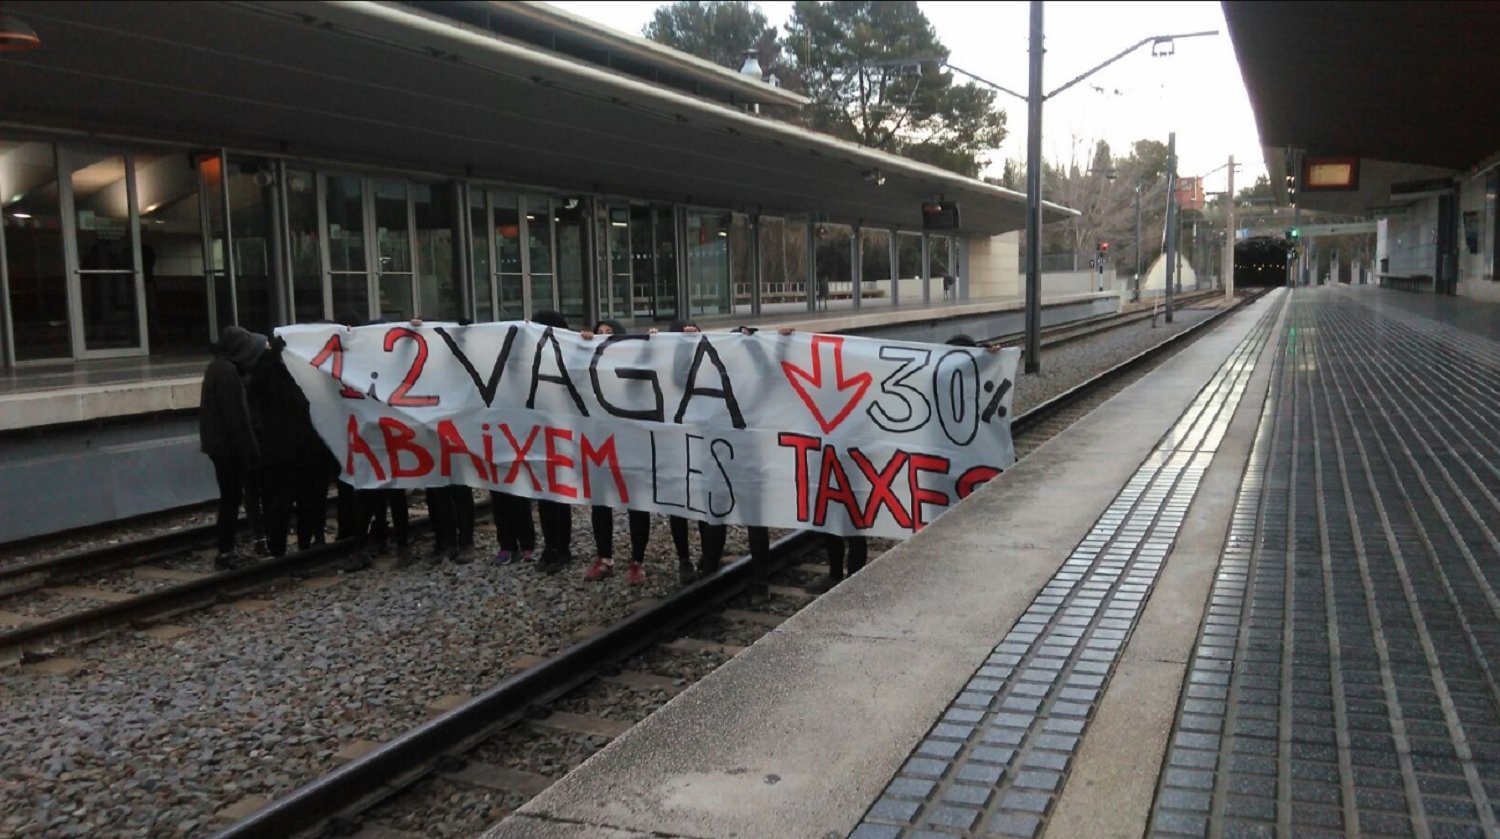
(1330, 173)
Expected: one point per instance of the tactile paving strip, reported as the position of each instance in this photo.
(995, 762)
(1356, 598)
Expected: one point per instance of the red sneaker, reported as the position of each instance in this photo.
(636, 575)
(601, 568)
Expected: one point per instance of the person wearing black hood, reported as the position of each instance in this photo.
(225, 432)
(603, 518)
(555, 516)
(711, 537)
(293, 458)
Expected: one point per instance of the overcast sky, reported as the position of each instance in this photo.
(1197, 92)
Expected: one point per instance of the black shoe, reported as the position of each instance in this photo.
(228, 561)
(459, 556)
(550, 565)
(686, 573)
(824, 585)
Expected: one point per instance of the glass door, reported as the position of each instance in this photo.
(348, 281)
(394, 277)
(104, 254)
(614, 279)
(653, 245)
(31, 244)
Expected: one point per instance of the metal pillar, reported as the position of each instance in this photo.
(1034, 197)
(1229, 238)
(1135, 293)
(1170, 234)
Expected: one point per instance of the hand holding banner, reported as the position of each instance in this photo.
(826, 432)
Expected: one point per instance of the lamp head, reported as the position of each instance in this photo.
(16, 35)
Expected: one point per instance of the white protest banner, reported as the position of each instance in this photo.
(804, 431)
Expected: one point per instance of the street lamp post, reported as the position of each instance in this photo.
(1034, 100)
(1135, 293)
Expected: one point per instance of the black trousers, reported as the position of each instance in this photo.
(452, 511)
(603, 520)
(859, 551)
(278, 491)
(760, 560)
(711, 539)
(312, 502)
(514, 528)
(229, 472)
(374, 506)
(557, 529)
(255, 502)
(350, 517)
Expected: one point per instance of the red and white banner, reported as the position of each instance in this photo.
(823, 432)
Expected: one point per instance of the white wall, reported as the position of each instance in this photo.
(1476, 268)
(993, 268)
(1411, 240)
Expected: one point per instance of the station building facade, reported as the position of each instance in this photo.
(167, 169)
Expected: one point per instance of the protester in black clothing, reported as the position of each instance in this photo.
(858, 549)
(451, 510)
(555, 516)
(294, 460)
(603, 518)
(711, 537)
(224, 429)
(515, 531)
(384, 514)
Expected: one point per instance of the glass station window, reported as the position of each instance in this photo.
(539, 221)
(508, 264)
(835, 288)
(437, 279)
(709, 290)
(303, 246)
(172, 267)
(875, 268)
(251, 196)
(484, 280)
(31, 209)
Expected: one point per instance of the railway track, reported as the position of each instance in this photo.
(1067, 333)
(474, 745)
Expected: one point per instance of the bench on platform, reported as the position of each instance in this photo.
(1406, 282)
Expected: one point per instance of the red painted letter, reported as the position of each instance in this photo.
(398, 438)
(556, 460)
(833, 473)
(880, 487)
(357, 445)
(520, 453)
(918, 464)
(451, 443)
(602, 456)
(803, 444)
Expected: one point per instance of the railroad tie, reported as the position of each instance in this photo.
(580, 724)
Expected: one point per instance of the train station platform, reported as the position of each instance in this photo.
(1253, 594)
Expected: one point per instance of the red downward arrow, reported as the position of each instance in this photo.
(796, 375)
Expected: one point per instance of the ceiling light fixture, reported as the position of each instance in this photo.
(16, 35)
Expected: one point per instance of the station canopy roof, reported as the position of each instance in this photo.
(1407, 86)
(393, 85)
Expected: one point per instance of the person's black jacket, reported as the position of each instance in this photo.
(224, 427)
(280, 412)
